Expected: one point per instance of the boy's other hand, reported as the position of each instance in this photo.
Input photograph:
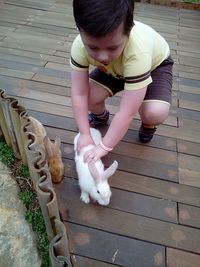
(83, 140)
(94, 154)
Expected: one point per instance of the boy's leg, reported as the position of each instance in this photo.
(97, 96)
(154, 112)
(98, 114)
(101, 87)
(155, 108)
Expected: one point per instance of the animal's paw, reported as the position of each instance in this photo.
(85, 197)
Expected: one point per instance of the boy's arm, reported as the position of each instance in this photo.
(79, 93)
(129, 105)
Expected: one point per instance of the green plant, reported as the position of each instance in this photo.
(28, 196)
(6, 154)
(23, 170)
(36, 219)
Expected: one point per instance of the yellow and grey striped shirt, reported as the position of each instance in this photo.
(144, 51)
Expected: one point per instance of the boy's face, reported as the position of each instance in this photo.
(107, 48)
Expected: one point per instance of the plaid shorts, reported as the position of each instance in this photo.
(159, 89)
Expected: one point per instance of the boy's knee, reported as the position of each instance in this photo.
(154, 114)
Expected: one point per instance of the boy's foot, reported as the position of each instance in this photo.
(97, 120)
(146, 134)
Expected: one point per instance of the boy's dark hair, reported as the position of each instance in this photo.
(100, 17)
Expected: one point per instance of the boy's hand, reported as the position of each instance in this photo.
(94, 154)
(84, 140)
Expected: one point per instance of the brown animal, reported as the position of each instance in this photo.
(54, 158)
(52, 149)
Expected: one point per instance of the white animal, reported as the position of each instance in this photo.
(93, 178)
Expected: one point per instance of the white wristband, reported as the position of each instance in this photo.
(105, 147)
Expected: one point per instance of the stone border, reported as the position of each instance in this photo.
(20, 134)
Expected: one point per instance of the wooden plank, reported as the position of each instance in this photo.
(188, 130)
(178, 258)
(4, 30)
(122, 223)
(40, 33)
(140, 184)
(167, 143)
(13, 85)
(190, 89)
(41, 96)
(33, 4)
(189, 215)
(22, 53)
(57, 59)
(23, 67)
(113, 249)
(28, 47)
(189, 61)
(189, 82)
(130, 136)
(16, 73)
(189, 32)
(171, 120)
(142, 152)
(144, 192)
(189, 104)
(58, 66)
(53, 76)
(40, 40)
(22, 59)
(188, 148)
(45, 28)
(188, 69)
(17, 21)
(56, 19)
(133, 164)
(188, 114)
(190, 43)
(194, 76)
(113, 104)
(86, 262)
(148, 206)
(189, 170)
(189, 96)
(153, 187)
(50, 108)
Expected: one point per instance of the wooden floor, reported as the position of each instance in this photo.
(154, 215)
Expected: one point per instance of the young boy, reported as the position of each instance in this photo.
(128, 56)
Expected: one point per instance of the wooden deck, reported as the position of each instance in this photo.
(154, 215)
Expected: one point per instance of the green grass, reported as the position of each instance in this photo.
(28, 197)
(6, 154)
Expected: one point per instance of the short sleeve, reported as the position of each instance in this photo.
(79, 57)
(137, 71)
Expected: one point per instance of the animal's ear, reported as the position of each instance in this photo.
(111, 170)
(57, 142)
(48, 146)
(93, 171)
